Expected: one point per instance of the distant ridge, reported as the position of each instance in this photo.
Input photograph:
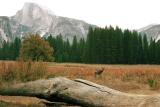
(152, 31)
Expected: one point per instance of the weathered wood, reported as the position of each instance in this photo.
(80, 92)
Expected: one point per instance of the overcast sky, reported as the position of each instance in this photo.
(132, 14)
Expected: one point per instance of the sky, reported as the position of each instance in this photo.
(127, 14)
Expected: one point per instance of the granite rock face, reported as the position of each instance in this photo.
(151, 31)
(5, 29)
(33, 18)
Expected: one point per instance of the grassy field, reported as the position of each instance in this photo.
(127, 78)
(139, 79)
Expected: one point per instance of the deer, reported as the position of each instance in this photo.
(99, 72)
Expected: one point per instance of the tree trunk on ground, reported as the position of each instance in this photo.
(80, 92)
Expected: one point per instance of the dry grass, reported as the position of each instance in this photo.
(21, 101)
(122, 77)
(21, 71)
(5, 104)
(140, 79)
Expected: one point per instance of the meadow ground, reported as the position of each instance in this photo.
(139, 79)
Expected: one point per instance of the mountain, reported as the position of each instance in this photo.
(152, 31)
(33, 18)
(5, 29)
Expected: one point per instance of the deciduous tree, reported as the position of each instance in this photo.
(35, 48)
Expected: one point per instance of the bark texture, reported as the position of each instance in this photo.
(80, 92)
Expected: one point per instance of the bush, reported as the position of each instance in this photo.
(152, 83)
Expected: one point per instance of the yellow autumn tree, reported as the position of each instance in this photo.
(36, 48)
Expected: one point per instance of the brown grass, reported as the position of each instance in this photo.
(20, 100)
(21, 71)
(121, 77)
(127, 78)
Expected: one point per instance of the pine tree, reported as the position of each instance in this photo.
(67, 51)
(81, 46)
(126, 46)
(145, 50)
(87, 56)
(119, 45)
(59, 48)
(74, 50)
(157, 56)
(16, 48)
(152, 50)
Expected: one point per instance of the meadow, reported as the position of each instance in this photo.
(138, 79)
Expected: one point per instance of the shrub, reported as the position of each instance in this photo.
(152, 83)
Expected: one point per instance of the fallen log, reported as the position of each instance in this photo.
(80, 92)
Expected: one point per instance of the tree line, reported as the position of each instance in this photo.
(112, 46)
(10, 50)
(102, 46)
